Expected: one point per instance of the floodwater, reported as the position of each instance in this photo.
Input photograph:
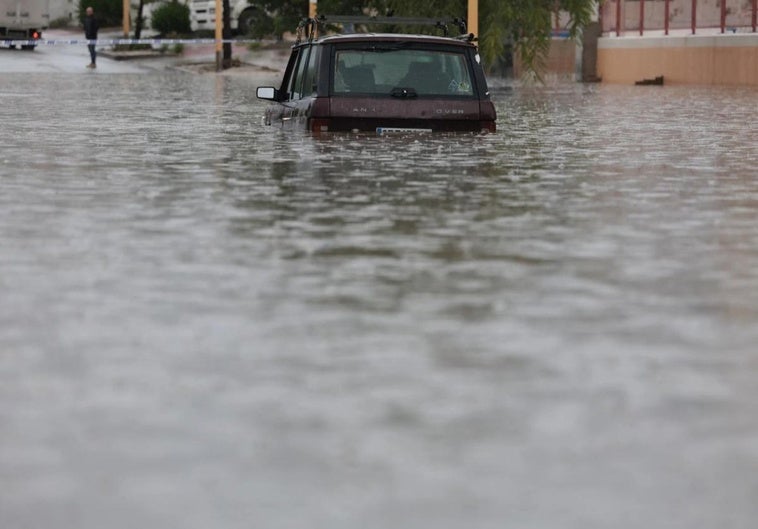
(208, 323)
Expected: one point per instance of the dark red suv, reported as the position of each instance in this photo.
(383, 82)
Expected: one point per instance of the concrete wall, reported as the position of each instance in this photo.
(561, 60)
(694, 59)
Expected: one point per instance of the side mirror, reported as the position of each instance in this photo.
(267, 92)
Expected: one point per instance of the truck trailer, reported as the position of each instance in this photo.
(23, 20)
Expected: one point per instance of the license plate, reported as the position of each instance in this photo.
(400, 130)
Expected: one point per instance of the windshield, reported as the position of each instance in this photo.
(381, 70)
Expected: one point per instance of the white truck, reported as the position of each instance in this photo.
(203, 15)
(23, 20)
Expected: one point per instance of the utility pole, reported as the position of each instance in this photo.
(125, 15)
(219, 34)
(472, 21)
(312, 8)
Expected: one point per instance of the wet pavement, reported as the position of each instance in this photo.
(62, 58)
(205, 322)
(59, 54)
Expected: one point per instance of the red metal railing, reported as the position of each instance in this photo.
(621, 17)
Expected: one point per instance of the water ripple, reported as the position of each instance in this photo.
(202, 318)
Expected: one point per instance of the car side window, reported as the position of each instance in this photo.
(297, 90)
(310, 75)
(295, 80)
(286, 87)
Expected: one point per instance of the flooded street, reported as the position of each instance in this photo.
(209, 323)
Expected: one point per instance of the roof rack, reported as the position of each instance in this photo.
(310, 27)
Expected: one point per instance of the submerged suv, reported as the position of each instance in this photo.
(382, 82)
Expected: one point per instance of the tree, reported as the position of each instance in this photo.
(276, 17)
(521, 25)
(226, 34)
(171, 17)
(527, 26)
(107, 12)
(138, 25)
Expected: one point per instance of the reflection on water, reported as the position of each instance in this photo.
(205, 322)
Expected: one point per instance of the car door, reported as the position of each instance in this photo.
(298, 86)
(302, 87)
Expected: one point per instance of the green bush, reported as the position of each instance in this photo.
(171, 17)
(109, 13)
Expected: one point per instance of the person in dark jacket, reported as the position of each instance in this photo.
(90, 33)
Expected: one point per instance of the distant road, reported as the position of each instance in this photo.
(71, 58)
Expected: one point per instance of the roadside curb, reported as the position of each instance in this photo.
(238, 68)
(136, 54)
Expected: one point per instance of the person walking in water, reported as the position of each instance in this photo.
(90, 33)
